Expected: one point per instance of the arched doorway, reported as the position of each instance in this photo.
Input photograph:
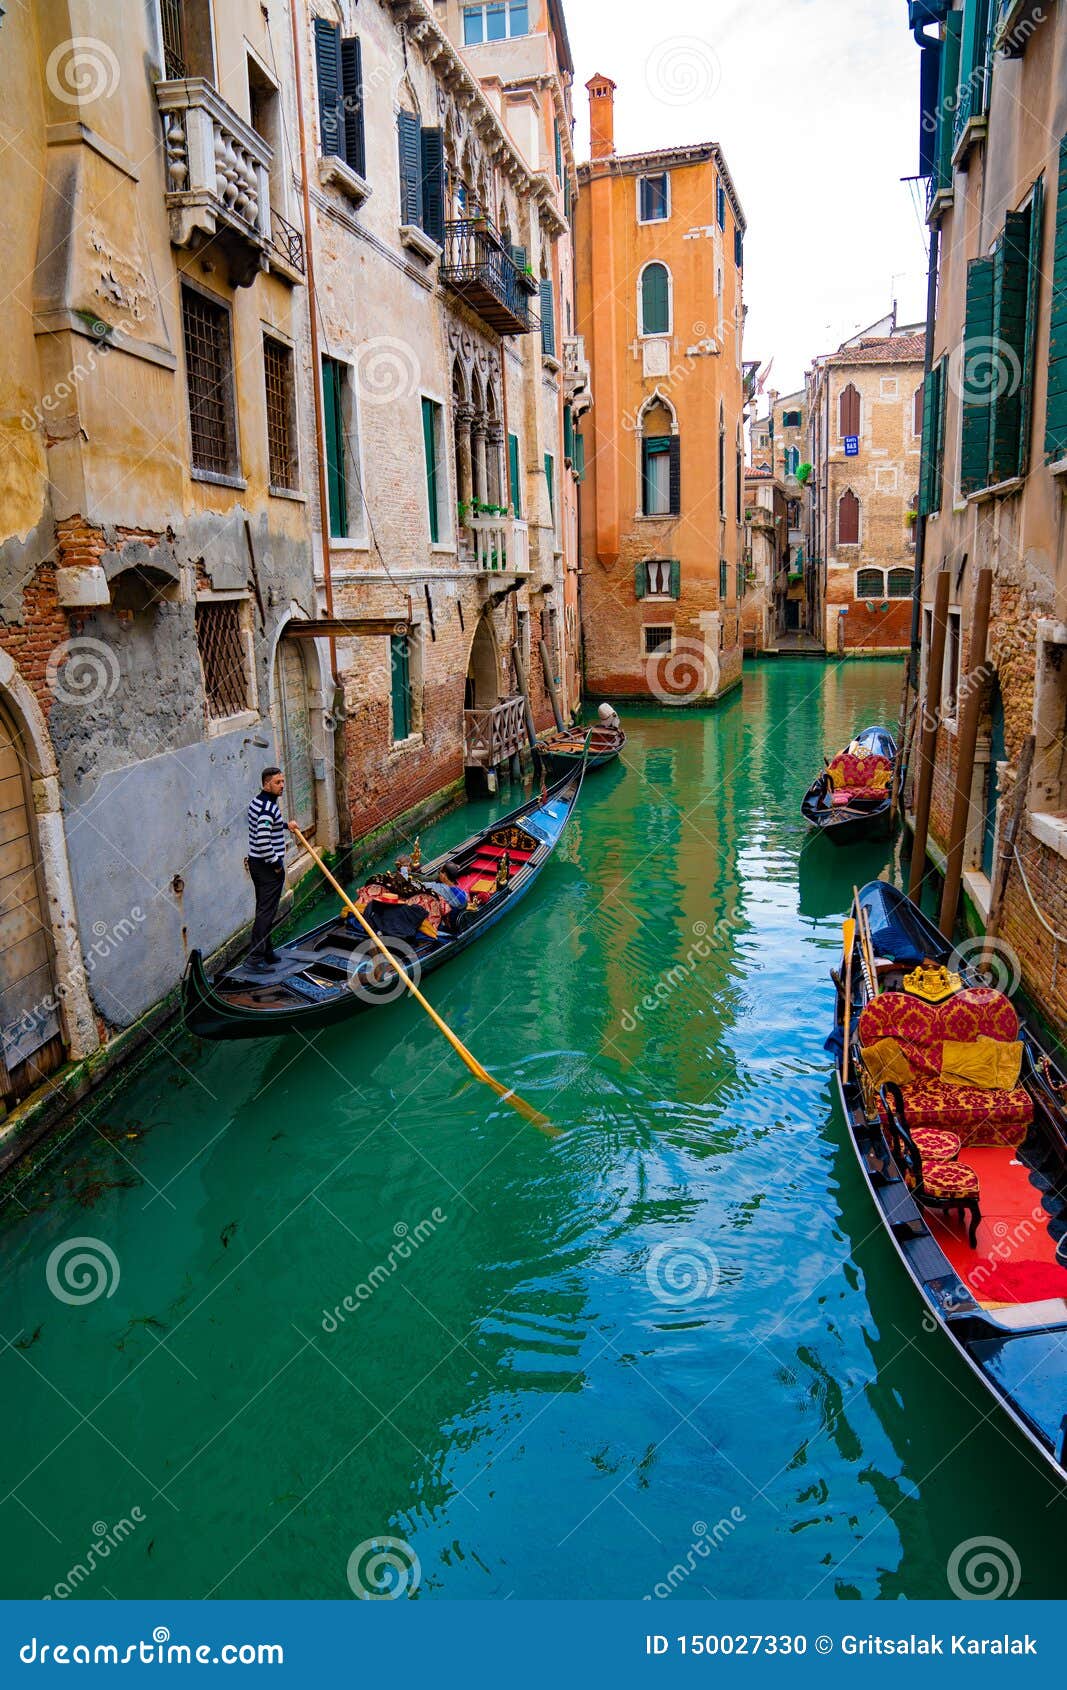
(483, 670)
(31, 1039)
(291, 713)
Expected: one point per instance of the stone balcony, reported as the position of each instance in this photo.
(577, 378)
(218, 181)
(501, 545)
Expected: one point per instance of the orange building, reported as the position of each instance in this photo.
(658, 255)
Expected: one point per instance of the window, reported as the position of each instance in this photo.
(1056, 410)
(432, 444)
(281, 414)
(972, 100)
(400, 691)
(724, 579)
(497, 21)
(917, 412)
(660, 478)
(722, 464)
(548, 318)
(870, 583)
(422, 177)
(339, 74)
(951, 675)
(848, 519)
(1002, 315)
(720, 206)
(792, 459)
(657, 640)
(550, 480)
(740, 580)
(792, 419)
(339, 421)
(1049, 786)
(653, 198)
(658, 578)
(848, 411)
(933, 393)
(223, 648)
(792, 513)
(655, 299)
(900, 583)
(209, 380)
(513, 471)
(947, 100)
(187, 45)
(558, 143)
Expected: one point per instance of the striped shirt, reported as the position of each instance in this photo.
(266, 830)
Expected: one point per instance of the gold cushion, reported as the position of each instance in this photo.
(990, 1064)
(884, 1060)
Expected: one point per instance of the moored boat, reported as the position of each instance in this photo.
(958, 1118)
(334, 971)
(566, 746)
(852, 798)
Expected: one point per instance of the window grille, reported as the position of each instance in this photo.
(278, 377)
(209, 375)
(223, 658)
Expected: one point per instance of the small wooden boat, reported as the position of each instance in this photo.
(565, 746)
(852, 798)
(969, 1181)
(334, 970)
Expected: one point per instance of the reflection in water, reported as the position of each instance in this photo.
(358, 1297)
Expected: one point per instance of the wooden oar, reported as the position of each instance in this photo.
(849, 931)
(526, 1110)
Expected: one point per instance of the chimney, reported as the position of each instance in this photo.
(601, 116)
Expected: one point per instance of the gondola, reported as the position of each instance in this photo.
(334, 971)
(565, 746)
(852, 798)
(969, 1182)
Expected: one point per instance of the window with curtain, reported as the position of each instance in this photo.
(655, 299)
(656, 475)
(653, 198)
(848, 519)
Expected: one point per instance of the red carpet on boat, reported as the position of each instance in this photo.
(1015, 1260)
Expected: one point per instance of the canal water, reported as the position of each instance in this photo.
(666, 1353)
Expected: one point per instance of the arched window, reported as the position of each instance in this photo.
(660, 465)
(848, 411)
(848, 519)
(722, 462)
(792, 459)
(870, 584)
(901, 582)
(655, 299)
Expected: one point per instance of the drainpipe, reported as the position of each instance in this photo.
(340, 761)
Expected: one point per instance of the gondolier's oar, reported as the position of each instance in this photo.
(526, 1110)
(849, 931)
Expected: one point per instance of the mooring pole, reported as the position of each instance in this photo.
(968, 719)
(931, 716)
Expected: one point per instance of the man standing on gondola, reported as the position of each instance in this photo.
(266, 864)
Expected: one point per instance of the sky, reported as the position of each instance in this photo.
(815, 104)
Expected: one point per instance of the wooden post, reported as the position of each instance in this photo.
(546, 664)
(1007, 848)
(931, 716)
(968, 718)
(527, 707)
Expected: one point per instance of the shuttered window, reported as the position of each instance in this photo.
(655, 299)
(848, 410)
(409, 145)
(739, 249)
(656, 475)
(559, 150)
(550, 478)
(974, 57)
(579, 454)
(400, 670)
(848, 519)
(1010, 265)
(513, 470)
(947, 93)
(930, 404)
(724, 579)
(974, 451)
(339, 76)
(720, 198)
(1056, 413)
(999, 351)
(568, 434)
(432, 159)
(548, 319)
(355, 153)
(334, 376)
(433, 468)
(653, 198)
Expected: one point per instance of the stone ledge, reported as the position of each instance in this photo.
(1051, 830)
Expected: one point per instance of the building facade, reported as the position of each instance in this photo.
(865, 432)
(995, 466)
(766, 560)
(780, 443)
(659, 240)
(290, 383)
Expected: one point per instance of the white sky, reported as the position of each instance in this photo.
(816, 106)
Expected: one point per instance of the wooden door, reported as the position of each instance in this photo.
(31, 1043)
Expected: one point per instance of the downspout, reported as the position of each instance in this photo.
(340, 761)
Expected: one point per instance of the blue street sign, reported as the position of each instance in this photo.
(852, 445)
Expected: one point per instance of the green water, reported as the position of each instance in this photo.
(535, 1400)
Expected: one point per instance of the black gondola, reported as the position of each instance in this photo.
(981, 1229)
(852, 798)
(334, 970)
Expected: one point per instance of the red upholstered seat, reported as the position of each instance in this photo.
(978, 1012)
(895, 1015)
(949, 1179)
(976, 1117)
(936, 1145)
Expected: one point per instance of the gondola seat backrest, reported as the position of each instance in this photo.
(860, 775)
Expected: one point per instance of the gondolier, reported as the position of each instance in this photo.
(266, 864)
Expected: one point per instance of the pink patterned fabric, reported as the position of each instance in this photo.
(894, 1015)
(979, 1012)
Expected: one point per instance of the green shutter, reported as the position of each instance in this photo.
(947, 93)
(579, 454)
(513, 468)
(974, 454)
(568, 434)
(640, 580)
(1056, 412)
(974, 48)
(400, 668)
(433, 184)
(933, 440)
(1011, 288)
(655, 300)
(429, 443)
(1033, 278)
(675, 451)
(551, 486)
(676, 578)
(336, 480)
(548, 320)
(559, 151)
(409, 142)
(328, 80)
(352, 103)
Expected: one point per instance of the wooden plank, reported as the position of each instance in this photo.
(15, 857)
(21, 960)
(12, 792)
(20, 922)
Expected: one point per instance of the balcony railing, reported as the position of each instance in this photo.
(477, 266)
(218, 183)
(500, 543)
(286, 241)
(493, 734)
(577, 380)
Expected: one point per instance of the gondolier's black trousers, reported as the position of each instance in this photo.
(269, 882)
